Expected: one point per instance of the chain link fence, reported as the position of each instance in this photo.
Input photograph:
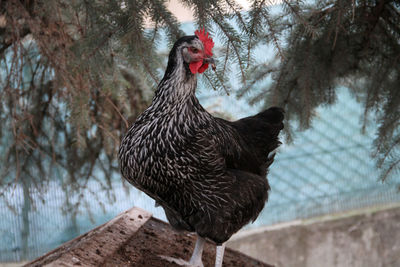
(326, 170)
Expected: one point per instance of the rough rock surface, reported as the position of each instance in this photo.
(134, 238)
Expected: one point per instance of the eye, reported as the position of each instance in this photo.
(194, 50)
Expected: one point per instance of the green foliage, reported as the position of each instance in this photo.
(75, 74)
(351, 43)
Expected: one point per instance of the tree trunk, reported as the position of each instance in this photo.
(26, 208)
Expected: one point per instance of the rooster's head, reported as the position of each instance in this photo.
(195, 51)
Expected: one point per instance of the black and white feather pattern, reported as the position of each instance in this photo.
(207, 173)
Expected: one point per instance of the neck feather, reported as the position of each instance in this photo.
(178, 84)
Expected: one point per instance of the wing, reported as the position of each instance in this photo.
(254, 138)
(227, 186)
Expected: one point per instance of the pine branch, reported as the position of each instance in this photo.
(393, 166)
(273, 34)
(238, 14)
(255, 25)
(226, 58)
(295, 10)
(232, 38)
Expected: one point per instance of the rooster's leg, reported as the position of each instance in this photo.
(219, 255)
(195, 260)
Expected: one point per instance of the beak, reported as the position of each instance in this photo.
(210, 61)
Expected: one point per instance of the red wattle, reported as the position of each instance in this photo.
(203, 68)
(195, 66)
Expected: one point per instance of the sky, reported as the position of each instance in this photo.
(184, 14)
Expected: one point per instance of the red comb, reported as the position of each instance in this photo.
(208, 43)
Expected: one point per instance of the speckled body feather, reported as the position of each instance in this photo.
(207, 173)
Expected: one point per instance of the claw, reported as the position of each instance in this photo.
(180, 262)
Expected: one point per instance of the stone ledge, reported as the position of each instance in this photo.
(366, 239)
(135, 238)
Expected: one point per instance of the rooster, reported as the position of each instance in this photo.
(208, 174)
